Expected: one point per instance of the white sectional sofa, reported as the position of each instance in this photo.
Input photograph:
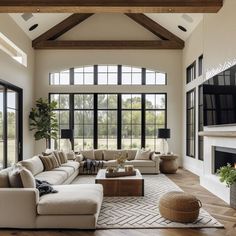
(74, 206)
(108, 157)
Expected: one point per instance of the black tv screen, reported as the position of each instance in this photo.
(219, 99)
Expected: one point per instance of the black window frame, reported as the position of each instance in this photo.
(188, 109)
(200, 123)
(119, 116)
(8, 86)
(200, 65)
(72, 76)
(191, 72)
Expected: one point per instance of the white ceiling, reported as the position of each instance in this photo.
(169, 21)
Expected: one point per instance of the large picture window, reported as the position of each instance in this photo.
(190, 142)
(110, 121)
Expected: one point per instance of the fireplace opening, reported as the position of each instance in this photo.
(223, 156)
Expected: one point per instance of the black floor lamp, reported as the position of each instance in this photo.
(67, 134)
(164, 134)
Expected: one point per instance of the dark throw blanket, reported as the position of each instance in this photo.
(44, 187)
(92, 165)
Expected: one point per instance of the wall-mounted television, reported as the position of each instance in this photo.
(219, 99)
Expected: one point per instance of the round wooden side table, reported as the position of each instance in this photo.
(168, 163)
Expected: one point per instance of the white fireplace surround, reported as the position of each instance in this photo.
(212, 138)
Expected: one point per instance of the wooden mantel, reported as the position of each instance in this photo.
(226, 134)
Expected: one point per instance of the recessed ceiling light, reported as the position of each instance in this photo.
(182, 28)
(33, 27)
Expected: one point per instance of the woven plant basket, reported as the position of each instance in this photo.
(179, 207)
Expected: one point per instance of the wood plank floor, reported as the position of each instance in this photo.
(189, 183)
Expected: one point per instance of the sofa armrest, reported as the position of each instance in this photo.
(79, 157)
(18, 207)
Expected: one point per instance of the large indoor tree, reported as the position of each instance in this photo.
(43, 120)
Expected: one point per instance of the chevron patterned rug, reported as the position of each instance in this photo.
(143, 212)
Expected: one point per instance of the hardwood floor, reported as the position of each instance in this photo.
(189, 183)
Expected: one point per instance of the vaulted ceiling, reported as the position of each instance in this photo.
(161, 23)
(171, 22)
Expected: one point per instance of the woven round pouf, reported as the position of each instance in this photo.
(179, 207)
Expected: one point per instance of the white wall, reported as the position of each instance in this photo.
(215, 38)
(168, 61)
(19, 75)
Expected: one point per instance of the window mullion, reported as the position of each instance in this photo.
(95, 126)
(71, 117)
(143, 121)
(119, 121)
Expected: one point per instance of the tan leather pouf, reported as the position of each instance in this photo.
(179, 207)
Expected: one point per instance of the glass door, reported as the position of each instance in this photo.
(10, 125)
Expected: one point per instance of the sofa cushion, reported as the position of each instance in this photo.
(98, 154)
(53, 177)
(141, 163)
(112, 154)
(75, 165)
(88, 154)
(33, 164)
(27, 178)
(69, 170)
(4, 180)
(131, 154)
(82, 199)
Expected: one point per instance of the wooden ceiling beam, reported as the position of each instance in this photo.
(108, 44)
(154, 27)
(61, 27)
(118, 6)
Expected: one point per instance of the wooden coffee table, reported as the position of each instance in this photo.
(121, 186)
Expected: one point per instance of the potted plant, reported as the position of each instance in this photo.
(228, 175)
(43, 120)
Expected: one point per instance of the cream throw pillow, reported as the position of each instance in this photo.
(15, 178)
(27, 178)
(143, 154)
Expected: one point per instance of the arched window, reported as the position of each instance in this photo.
(108, 75)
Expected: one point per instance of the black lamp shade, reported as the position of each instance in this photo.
(66, 133)
(164, 133)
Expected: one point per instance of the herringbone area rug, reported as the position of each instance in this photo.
(143, 212)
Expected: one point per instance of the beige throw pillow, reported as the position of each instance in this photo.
(27, 178)
(63, 157)
(47, 163)
(143, 154)
(71, 156)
